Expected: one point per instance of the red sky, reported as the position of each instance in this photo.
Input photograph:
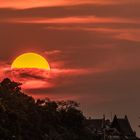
(93, 47)
(38, 3)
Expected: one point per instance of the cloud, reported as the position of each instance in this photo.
(117, 11)
(53, 52)
(35, 3)
(37, 78)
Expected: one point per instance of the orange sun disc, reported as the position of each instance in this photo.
(30, 60)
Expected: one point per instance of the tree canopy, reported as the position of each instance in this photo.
(24, 118)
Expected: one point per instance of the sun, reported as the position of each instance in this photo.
(30, 60)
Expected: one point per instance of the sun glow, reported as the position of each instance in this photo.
(30, 60)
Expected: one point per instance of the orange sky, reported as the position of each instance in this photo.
(93, 47)
(38, 3)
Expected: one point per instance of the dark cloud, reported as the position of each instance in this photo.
(119, 10)
(30, 74)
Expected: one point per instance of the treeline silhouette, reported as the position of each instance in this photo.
(24, 118)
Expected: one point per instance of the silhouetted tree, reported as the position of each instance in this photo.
(23, 118)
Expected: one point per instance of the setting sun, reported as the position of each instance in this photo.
(30, 60)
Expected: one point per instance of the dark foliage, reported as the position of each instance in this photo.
(23, 118)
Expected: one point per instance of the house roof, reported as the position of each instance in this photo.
(123, 126)
(95, 123)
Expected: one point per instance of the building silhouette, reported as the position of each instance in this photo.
(117, 129)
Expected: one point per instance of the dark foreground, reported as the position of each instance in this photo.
(23, 118)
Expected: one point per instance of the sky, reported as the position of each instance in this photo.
(92, 46)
